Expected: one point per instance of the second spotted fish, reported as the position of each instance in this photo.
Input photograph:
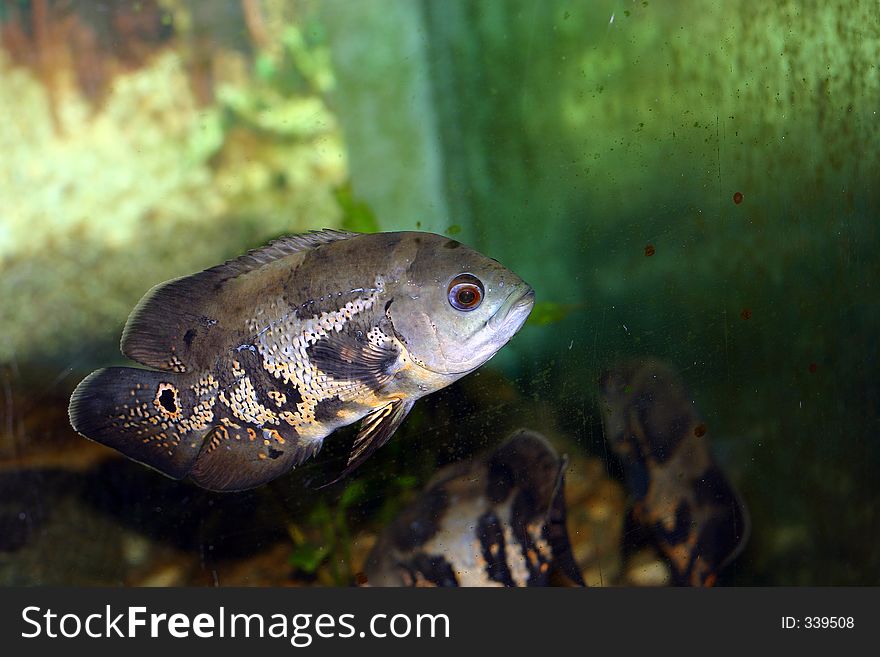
(680, 493)
(496, 520)
(257, 360)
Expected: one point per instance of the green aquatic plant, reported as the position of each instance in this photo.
(551, 312)
(357, 216)
(323, 540)
(332, 545)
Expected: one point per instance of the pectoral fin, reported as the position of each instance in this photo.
(376, 429)
(346, 357)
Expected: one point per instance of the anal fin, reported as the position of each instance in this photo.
(236, 457)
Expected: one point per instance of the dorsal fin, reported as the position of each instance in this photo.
(169, 327)
(276, 249)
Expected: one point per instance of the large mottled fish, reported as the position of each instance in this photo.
(680, 494)
(257, 360)
(497, 520)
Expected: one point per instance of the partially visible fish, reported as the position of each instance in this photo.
(680, 494)
(257, 360)
(496, 520)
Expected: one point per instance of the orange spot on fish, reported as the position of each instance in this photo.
(737, 197)
(650, 250)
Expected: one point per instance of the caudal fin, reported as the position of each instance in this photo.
(148, 416)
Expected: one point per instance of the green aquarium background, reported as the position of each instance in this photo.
(696, 181)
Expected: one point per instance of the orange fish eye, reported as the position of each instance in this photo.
(465, 292)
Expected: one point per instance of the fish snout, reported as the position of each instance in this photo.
(514, 311)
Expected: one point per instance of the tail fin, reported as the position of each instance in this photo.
(148, 416)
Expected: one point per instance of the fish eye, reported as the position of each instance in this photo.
(465, 292)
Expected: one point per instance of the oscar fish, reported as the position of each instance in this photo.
(254, 362)
(680, 493)
(496, 520)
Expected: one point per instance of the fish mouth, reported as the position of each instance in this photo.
(502, 326)
(513, 313)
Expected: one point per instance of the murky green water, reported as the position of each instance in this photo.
(693, 182)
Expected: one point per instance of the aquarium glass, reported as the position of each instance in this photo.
(689, 187)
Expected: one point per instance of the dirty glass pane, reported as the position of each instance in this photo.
(690, 189)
